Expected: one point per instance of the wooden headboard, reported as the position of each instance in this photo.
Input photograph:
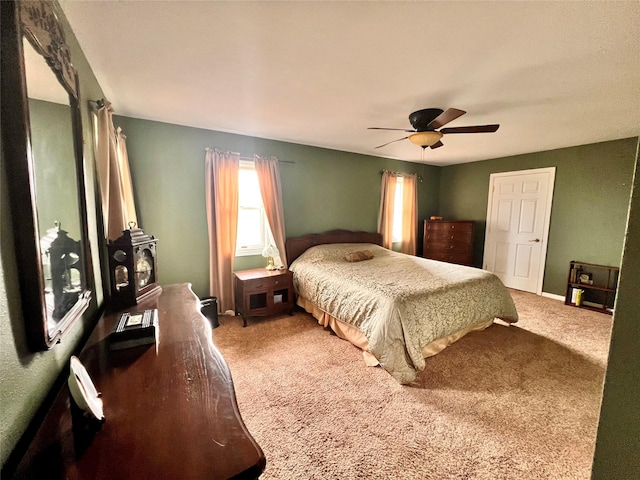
(296, 246)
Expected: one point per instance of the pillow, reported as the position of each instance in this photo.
(358, 256)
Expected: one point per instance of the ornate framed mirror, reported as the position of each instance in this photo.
(43, 161)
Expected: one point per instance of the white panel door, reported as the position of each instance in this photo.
(518, 214)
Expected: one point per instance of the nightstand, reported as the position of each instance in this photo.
(261, 292)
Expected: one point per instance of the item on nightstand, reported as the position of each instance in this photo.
(269, 252)
(434, 218)
(133, 329)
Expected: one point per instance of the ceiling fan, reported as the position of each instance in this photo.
(426, 121)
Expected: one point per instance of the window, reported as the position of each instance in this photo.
(253, 226)
(396, 235)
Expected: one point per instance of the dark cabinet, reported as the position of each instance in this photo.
(448, 241)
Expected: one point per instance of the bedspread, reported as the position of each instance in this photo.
(399, 302)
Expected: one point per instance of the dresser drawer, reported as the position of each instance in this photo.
(440, 256)
(450, 226)
(448, 247)
(459, 258)
(457, 236)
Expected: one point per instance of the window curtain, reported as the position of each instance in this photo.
(271, 191)
(385, 217)
(409, 213)
(409, 210)
(114, 176)
(221, 186)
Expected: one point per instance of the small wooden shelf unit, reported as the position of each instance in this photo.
(598, 284)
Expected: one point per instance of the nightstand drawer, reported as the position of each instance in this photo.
(266, 283)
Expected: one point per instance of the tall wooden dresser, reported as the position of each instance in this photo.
(448, 241)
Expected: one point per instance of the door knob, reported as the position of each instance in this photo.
(535, 240)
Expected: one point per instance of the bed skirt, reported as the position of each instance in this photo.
(353, 335)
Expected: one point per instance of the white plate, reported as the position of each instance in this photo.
(82, 389)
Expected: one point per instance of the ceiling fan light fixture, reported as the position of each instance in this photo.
(425, 139)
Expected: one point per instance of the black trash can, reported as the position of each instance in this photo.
(209, 309)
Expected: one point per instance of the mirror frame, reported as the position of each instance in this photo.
(37, 21)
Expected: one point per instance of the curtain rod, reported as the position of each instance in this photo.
(401, 173)
(250, 159)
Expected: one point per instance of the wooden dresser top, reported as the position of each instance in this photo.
(170, 408)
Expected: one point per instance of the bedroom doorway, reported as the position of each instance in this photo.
(518, 214)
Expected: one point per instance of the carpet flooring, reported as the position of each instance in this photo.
(511, 402)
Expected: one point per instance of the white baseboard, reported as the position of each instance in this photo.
(553, 296)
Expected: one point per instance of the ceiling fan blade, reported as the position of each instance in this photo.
(438, 144)
(472, 129)
(445, 117)
(396, 129)
(392, 141)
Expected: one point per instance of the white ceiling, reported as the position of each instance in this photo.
(552, 74)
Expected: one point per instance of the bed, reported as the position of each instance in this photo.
(398, 309)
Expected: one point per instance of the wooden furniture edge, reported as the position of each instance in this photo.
(53, 435)
(296, 246)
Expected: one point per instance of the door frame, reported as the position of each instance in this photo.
(547, 219)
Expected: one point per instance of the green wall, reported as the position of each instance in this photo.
(27, 377)
(618, 439)
(322, 190)
(590, 202)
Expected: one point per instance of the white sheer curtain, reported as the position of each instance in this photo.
(271, 192)
(114, 176)
(221, 191)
